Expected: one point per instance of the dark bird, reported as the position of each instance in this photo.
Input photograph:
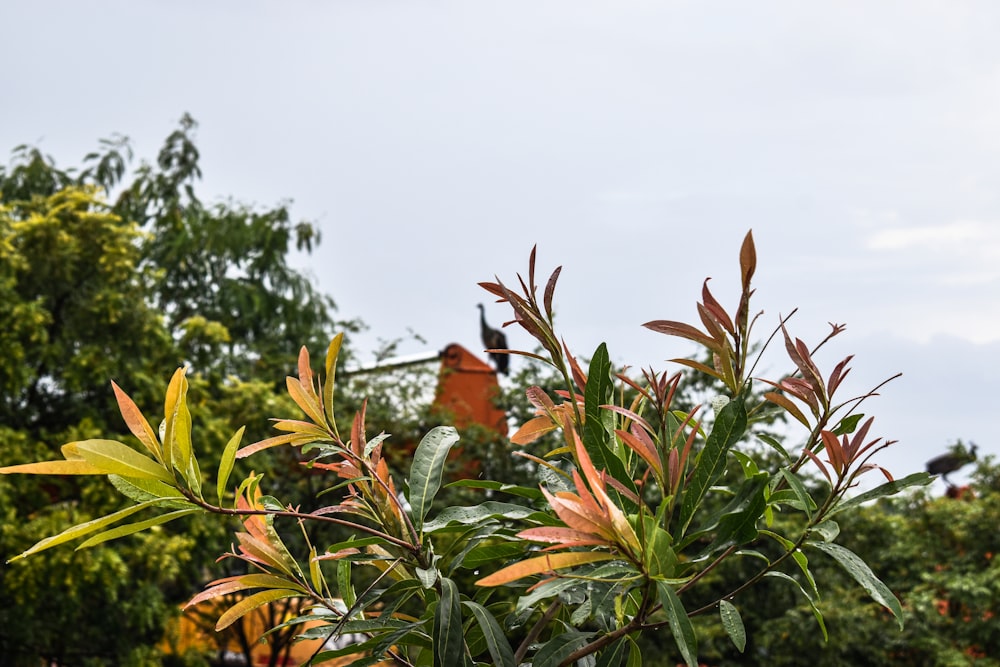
(493, 339)
(952, 461)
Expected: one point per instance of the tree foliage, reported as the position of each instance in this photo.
(109, 273)
(624, 536)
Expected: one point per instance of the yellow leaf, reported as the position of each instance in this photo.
(248, 604)
(72, 467)
(118, 458)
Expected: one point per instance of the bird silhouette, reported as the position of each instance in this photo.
(493, 339)
(956, 458)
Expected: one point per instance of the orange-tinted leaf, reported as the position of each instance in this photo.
(698, 366)
(267, 443)
(542, 564)
(791, 408)
(560, 535)
(682, 330)
(716, 309)
(834, 451)
(644, 448)
(532, 430)
(136, 422)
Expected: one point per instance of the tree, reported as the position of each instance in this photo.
(625, 537)
(95, 289)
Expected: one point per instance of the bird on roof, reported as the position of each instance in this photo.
(493, 339)
(956, 458)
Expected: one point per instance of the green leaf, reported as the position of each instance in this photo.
(492, 553)
(796, 485)
(227, 461)
(475, 514)
(729, 428)
(83, 529)
(449, 646)
(496, 639)
(614, 654)
(828, 530)
(129, 529)
(512, 489)
(251, 602)
(848, 424)
(863, 574)
(141, 490)
(329, 381)
(733, 624)
(774, 574)
(887, 489)
(426, 470)
(117, 458)
(658, 553)
(599, 424)
(557, 649)
(680, 624)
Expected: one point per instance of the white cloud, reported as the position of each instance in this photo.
(984, 235)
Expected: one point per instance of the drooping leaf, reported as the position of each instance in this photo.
(559, 647)
(680, 624)
(883, 490)
(426, 470)
(83, 529)
(493, 634)
(863, 574)
(132, 528)
(449, 643)
(733, 624)
(808, 595)
(251, 602)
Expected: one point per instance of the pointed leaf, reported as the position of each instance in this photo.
(449, 642)
(540, 564)
(332, 353)
(858, 569)
(138, 526)
(733, 624)
(71, 467)
(227, 461)
(680, 624)
(887, 489)
(137, 423)
(249, 603)
(427, 469)
(493, 634)
(729, 428)
(117, 458)
(83, 529)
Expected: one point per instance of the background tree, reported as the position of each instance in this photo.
(93, 290)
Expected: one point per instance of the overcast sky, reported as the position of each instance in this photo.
(635, 142)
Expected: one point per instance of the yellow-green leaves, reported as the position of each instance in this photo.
(227, 461)
(115, 458)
